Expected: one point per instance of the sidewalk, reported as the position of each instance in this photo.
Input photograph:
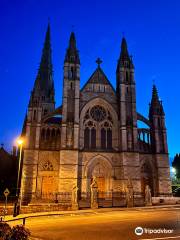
(89, 211)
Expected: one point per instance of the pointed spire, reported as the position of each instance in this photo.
(125, 60)
(155, 97)
(124, 50)
(72, 54)
(44, 79)
(72, 41)
(156, 107)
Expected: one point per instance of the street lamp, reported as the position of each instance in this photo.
(17, 204)
(20, 144)
(173, 170)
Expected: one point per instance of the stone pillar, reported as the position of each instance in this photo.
(129, 194)
(94, 194)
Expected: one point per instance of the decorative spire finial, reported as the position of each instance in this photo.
(98, 61)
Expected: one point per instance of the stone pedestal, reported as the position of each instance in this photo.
(74, 206)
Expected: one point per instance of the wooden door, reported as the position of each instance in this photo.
(48, 187)
(101, 186)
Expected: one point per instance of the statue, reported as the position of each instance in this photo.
(129, 194)
(94, 194)
(74, 199)
(148, 199)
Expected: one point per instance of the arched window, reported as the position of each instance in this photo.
(34, 115)
(98, 122)
(45, 111)
(48, 134)
(127, 77)
(53, 133)
(109, 138)
(159, 122)
(103, 138)
(106, 135)
(86, 138)
(43, 134)
(93, 138)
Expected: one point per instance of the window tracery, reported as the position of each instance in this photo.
(98, 122)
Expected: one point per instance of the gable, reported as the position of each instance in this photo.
(97, 82)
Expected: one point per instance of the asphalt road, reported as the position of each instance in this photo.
(111, 225)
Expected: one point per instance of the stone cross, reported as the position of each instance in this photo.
(98, 61)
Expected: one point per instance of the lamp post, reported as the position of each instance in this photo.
(17, 205)
(20, 144)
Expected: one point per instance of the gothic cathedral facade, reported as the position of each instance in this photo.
(94, 133)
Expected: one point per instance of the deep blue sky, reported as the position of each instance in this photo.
(152, 30)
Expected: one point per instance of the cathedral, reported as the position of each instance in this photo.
(95, 133)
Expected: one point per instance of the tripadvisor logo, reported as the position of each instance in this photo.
(139, 231)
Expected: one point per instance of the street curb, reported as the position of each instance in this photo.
(88, 212)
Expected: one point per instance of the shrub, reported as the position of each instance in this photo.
(19, 232)
(5, 231)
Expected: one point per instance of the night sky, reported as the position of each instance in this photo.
(152, 31)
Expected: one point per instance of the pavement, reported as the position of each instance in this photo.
(107, 224)
(102, 223)
(88, 211)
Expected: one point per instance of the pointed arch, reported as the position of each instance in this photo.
(111, 117)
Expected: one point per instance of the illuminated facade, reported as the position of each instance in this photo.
(93, 133)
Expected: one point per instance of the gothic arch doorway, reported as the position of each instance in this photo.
(147, 178)
(100, 173)
(101, 169)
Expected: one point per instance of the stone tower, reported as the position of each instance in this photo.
(159, 144)
(41, 103)
(70, 120)
(158, 128)
(126, 96)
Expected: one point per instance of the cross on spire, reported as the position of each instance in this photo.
(98, 61)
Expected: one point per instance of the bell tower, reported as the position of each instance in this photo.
(126, 97)
(71, 91)
(69, 154)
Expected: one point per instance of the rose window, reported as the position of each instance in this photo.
(98, 113)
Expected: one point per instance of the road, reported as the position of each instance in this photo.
(107, 225)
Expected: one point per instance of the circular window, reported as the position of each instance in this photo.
(98, 113)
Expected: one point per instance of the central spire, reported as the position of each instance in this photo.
(124, 50)
(72, 54)
(72, 41)
(125, 60)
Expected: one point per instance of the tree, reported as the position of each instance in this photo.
(176, 165)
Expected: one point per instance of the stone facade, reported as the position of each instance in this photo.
(93, 135)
